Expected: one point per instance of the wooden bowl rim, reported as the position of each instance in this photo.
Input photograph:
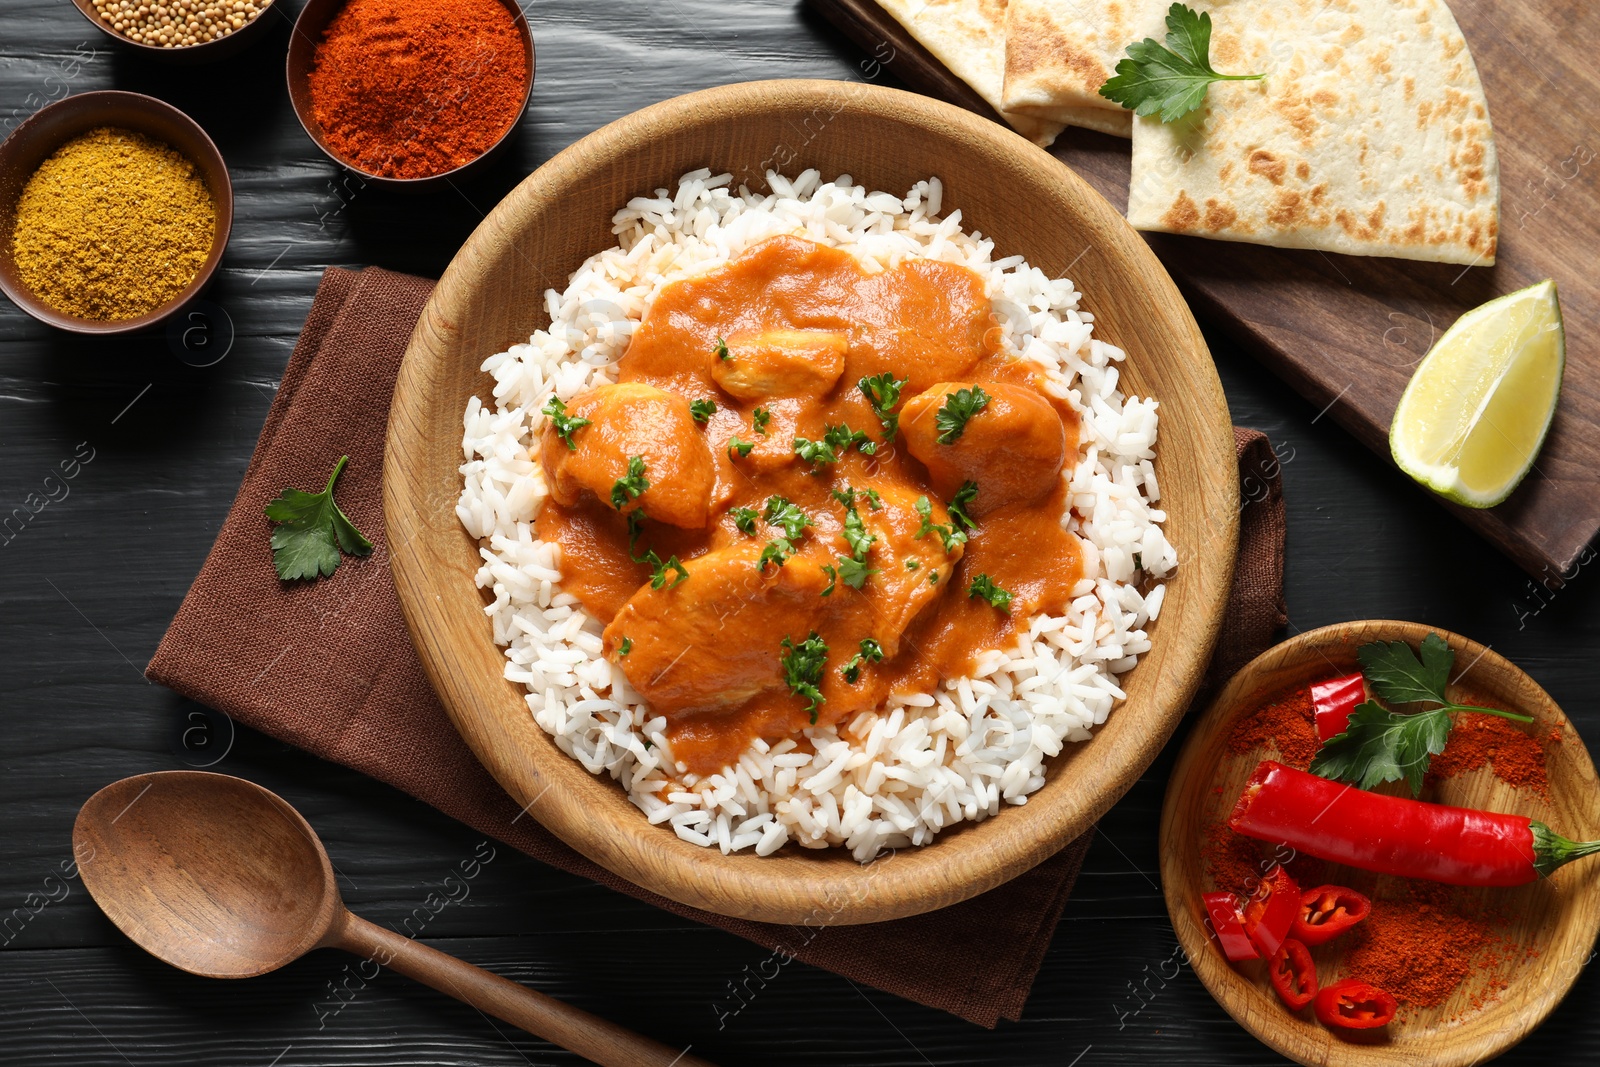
(1276, 1027)
(962, 862)
(309, 24)
(101, 102)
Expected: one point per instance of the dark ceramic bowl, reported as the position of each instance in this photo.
(207, 52)
(308, 30)
(31, 143)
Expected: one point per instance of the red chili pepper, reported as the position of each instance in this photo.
(1293, 974)
(1270, 912)
(1226, 922)
(1395, 835)
(1328, 911)
(1334, 700)
(1351, 1004)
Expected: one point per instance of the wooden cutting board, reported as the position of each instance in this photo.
(1347, 331)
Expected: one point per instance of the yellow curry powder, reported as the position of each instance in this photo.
(112, 226)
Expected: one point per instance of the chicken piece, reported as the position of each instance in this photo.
(1013, 447)
(899, 592)
(627, 420)
(952, 319)
(714, 640)
(781, 363)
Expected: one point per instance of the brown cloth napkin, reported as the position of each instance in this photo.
(328, 666)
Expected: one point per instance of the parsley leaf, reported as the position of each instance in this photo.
(847, 497)
(312, 531)
(741, 447)
(912, 563)
(959, 406)
(1172, 80)
(630, 486)
(857, 537)
(958, 504)
(871, 652)
(815, 452)
(883, 393)
(624, 647)
(1380, 745)
(745, 519)
(759, 419)
(659, 570)
(802, 670)
(701, 410)
(833, 579)
(722, 349)
(777, 552)
(854, 573)
(780, 512)
(841, 437)
(983, 586)
(949, 536)
(563, 423)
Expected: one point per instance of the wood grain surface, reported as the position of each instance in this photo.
(491, 296)
(94, 576)
(1551, 925)
(1347, 331)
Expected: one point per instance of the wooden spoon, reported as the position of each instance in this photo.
(219, 877)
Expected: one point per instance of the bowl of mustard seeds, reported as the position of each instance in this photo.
(181, 31)
(115, 209)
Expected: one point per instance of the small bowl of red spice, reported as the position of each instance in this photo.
(411, 94)
(1365, 848)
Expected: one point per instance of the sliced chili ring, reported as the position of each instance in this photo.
(1270, 912)
(1293, 974)
(1328, 911)
(1334, 700)
(1226, 922)
(1351, 1004)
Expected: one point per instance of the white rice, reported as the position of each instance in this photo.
(883, 779)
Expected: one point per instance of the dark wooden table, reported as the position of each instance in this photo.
(92, 578)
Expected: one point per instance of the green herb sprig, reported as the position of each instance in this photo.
(803, 665)
(949, 535)
(958, 504)
(561, 422)
(702, 410)
(1173, 79)
(959, 407)
(983, 586)
(883, 393)
(630, 486)
(759, 418)
(312, 531)
(1380, 745)
(871, 652)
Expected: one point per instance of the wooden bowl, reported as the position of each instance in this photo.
(1557, 918)
(308, 30)
(492, 296)
(31, 143)
(205, 52)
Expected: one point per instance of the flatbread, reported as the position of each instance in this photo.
(1059, 53)
(1370, 135)
(969, 38)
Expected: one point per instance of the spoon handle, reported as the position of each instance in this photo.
(589, 1036)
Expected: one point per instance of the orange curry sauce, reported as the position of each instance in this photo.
(802, 325)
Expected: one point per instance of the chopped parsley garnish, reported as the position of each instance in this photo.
(802, 670)
(958, 504)
(624, 647)
(833, 578)
(777, 552)
(847, 497)
(658, 569)
(912, 563)
(871, 652)
(857, 537)
(759, 419)
(841, 437)
(722, 349)
(959, 406)
(815, 452)
(745, 519)
(983, 586)
(563, 423)
(933, 577)
(312, 531)
(854, 573)
(1172, 80)
(949, 536)
(702, 410)
(629, 487)
(883, 393)
(780, 512)
(741, 448)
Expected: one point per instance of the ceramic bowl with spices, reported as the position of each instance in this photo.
(181, 31)
(411, 94)
(1398, 789)
(115, 210)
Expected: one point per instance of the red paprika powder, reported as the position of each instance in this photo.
(413, 88)
(1281, 720)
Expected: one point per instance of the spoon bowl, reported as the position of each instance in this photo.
(222, 878)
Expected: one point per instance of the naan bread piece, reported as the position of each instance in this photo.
(969, 38)
(1059, 53)
(1369, 135)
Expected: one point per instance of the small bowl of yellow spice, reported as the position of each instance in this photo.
(114, 212)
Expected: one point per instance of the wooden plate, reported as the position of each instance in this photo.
(491, 297)
(1554, 921)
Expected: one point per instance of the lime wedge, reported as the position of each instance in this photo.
(1475, 413)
